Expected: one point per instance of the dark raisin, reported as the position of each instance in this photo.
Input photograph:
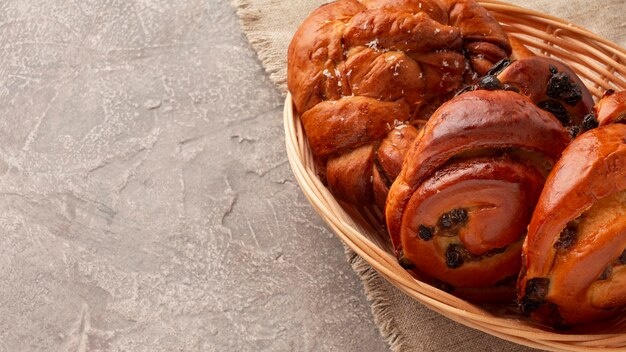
(454, 258)
(574, 131)
(510, 87)
(465, 90)
(609, 92)
(622, 258)
(561, 87)
(535, 294)
(490, 83)
(589, 122)
(445, 221)
(425, 232)
(458, 216)
(405, 262)
(556, 109)
(453, 217)
(553, 70)
(566, 239)
(499, 67)
(606, 273)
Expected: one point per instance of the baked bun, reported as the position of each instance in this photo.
(552, 85)
(459, 208)
(357, 69)
(574, 254)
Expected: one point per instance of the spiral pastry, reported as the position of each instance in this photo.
(459, 208)
(575, 253)
(359, 69)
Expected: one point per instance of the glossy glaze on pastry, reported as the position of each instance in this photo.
(359, 69)
(575, 252)
(459, 209)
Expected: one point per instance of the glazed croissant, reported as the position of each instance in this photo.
(359, 69)
(575, 253)
(459, 208)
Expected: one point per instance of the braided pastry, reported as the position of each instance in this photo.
(575, 253)
(358, 69)
(459, 208)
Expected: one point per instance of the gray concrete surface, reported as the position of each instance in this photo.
(146, 202)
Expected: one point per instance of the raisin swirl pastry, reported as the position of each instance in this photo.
(459, 209)
(552, 85)
(357, 69)
(547, 82)
(575, 253)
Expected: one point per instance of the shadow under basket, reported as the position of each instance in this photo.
(600, 63)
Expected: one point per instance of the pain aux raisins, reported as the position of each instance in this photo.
(535, 294)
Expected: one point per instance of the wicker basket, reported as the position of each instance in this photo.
(600, 64)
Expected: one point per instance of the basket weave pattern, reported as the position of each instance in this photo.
(600, 63)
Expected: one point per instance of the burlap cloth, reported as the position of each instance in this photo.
(404, 323)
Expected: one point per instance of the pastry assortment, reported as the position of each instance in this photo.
(496, 175)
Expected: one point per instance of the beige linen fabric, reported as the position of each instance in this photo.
(404, 323)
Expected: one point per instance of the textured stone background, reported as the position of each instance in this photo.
(146, 202)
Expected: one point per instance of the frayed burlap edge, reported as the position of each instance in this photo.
(274, 63)
(375, 290)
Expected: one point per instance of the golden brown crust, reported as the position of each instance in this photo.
(349, 175)
(337, 125)
(475, 123)
(389, 157)
(560, 92)
(519, 50)
(355, 68)
(586, 181)
(611, 109)
(470, 163)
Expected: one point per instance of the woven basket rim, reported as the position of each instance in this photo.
(351, 233)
